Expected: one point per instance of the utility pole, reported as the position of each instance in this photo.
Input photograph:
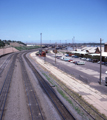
(100, 60)
(73, 42)
(3, 50)
(41, 40)
(65, 42)
(20, 47)
(55, 52)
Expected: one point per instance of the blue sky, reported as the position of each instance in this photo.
(57, 20)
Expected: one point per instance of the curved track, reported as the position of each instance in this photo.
(34, 108)
(5, 87)
(61, 108)
(2, 67)
(35, 112)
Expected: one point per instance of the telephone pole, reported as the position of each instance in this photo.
(100, 60)
(41, 40)
(73, 42)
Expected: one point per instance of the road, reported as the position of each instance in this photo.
(88, 73)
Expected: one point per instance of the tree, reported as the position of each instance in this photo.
(2, 44)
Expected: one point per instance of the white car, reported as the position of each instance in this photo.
(89, 59)
(80, 63)
(83, 58)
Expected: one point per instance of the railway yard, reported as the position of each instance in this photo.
(32, 88)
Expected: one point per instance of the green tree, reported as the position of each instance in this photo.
(2, 44)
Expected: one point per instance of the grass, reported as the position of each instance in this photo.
(26, 47)
(78, 98)
(77, 109)
(75, 96)
(48, 78)
(64, 95)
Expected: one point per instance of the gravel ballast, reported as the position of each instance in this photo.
(16, 108)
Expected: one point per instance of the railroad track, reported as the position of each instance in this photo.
(61, 108)
(4, 64)
(35, 112)
(34, 107)
(5, 87)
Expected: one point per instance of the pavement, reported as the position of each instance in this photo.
(91, 95)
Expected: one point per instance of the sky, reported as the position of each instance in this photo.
(59, 21)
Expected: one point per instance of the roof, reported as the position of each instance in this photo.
(104, 54)
(87, 49)
(80, 52)
(102, 49)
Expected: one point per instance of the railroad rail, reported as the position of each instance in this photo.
(5, 87)
(34, 107)
(61, 108)
(4, 64)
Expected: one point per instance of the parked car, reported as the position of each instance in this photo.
(83, 58)
(105, 63)
(62, 58)
(95, 60)
(75, 62)
(67, 55)
(66, 59)
(74, 56)
(80, 63)
(89, 59)
(70, 60)
(71, 54)
(99, 62)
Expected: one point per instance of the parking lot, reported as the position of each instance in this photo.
(88, 73)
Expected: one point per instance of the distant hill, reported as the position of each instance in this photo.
(15, 44)
(11, 43)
